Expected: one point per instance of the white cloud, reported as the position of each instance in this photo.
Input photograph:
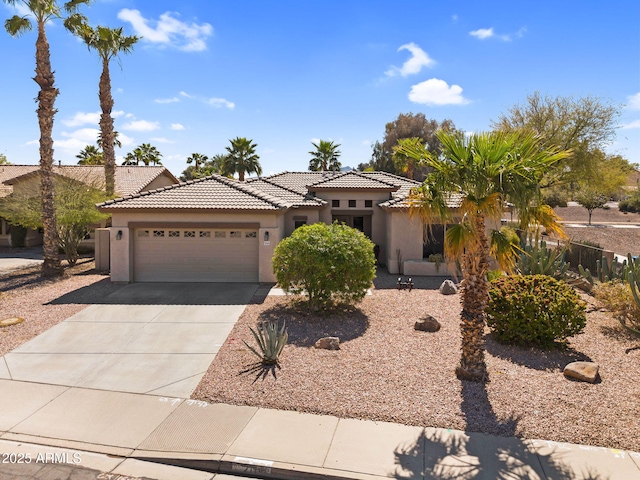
(33, 142)
(221, 102)
(634, 124)
(78, 139)
(117, 113)
(82, 118)
(120, 90)
(482, 33)
(419, 58)
(125, 140)
(437, 92)
(177, 126)
(454, 17)
(167, 100)
(634, 101)
(141, 126)
(161, 140)
(185, 94)
(366, 143)
(168, 30)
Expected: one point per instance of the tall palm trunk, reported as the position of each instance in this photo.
(46, 111)
(475, 295)
(106, 127)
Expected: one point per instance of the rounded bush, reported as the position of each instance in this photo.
(534, 310)
(330, 263)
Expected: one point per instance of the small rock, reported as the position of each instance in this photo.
(11, 321)
(583, 371)
(328, 343)
(427, 324)
(448, 288)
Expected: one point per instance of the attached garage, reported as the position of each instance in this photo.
(216, 254)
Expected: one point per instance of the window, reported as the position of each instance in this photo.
(335, 203)
(352, 204)
(221, 234)
(205, 234)
(189, 234)
(298, 223)
(158, 233)
(174, 233)
(236, 235)
(143, 233)
(368, 203)
(251, 235)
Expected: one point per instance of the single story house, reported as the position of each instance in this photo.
(130, 180)
(218, 229)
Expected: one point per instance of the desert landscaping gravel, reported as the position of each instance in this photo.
(386, 371)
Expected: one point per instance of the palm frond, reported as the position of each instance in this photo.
(17, 25)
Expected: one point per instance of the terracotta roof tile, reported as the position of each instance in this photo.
(129, 179)
(212, 193)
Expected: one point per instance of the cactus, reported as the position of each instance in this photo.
(271, 341)
(634, 283)
(618, 271)
(538, 259)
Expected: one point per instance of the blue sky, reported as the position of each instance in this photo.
(286, 73)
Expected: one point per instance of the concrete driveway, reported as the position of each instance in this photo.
(151, 338)
(17, 259)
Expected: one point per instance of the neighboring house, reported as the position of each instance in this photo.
(129, 181)
(218, 229)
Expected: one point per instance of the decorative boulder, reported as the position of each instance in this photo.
(11, 321)
(448, 288)
(427, 324)
(582, 371)
(328, 343)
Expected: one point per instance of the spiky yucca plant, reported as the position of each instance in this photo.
(271, 340)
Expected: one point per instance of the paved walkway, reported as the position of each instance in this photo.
(80, 414)
(279, 444)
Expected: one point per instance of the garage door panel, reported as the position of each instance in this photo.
(163, 255)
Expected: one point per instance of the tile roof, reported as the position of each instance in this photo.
(9, 172)
(210, 193)
(352, 181)
(292, 197)
(129, 179)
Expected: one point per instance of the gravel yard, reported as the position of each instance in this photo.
(618, 240)
(44, 303)
(387, 371)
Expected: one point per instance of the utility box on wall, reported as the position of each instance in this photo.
(102, 250)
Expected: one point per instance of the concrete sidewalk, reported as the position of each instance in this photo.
(266, 443)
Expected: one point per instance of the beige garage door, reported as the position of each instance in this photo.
(195, 255)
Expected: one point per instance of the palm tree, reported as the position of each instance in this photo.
(109, 43)
(199, 160)
(483, 171)
(116, 140)
(145, 153)
(324, 157)
(242, 158)
(44, 11)
(90, 155)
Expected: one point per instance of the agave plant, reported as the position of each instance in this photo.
(271, 340)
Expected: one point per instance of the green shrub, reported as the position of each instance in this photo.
(630, 205)
(534, 310)
(617, 297)
(555, 198)
(330, 263)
